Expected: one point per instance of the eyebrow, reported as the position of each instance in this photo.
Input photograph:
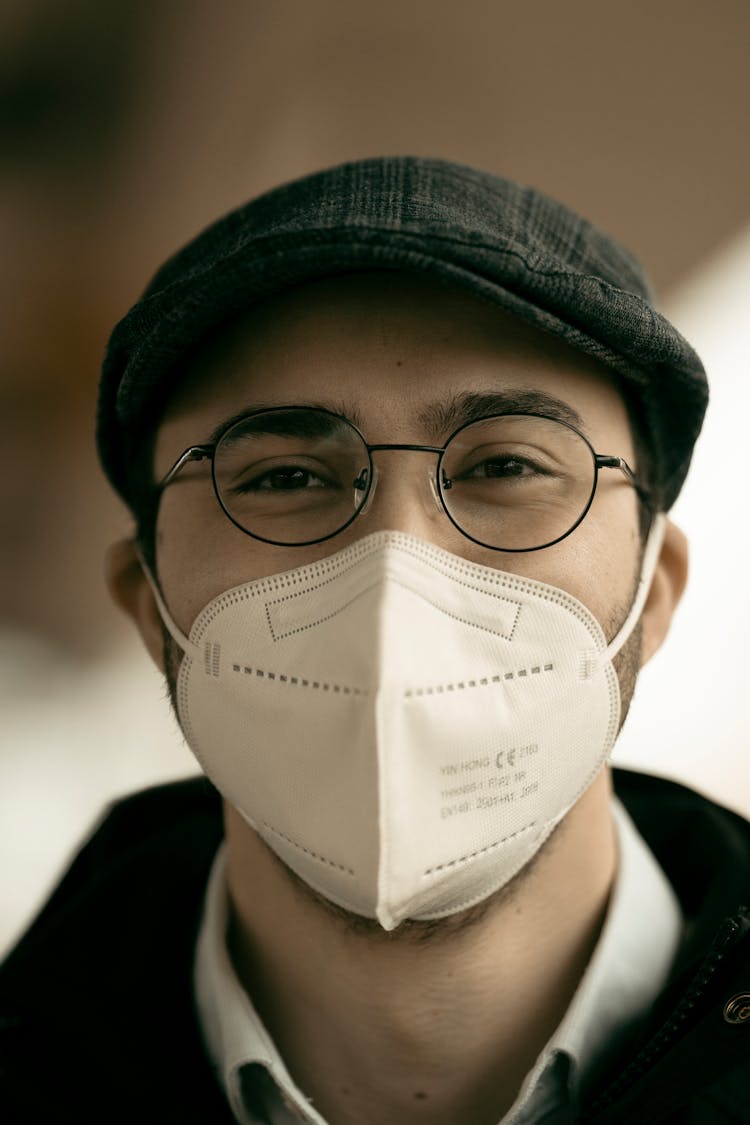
(440, 419)
(437, 419)
(290, 422)
(292, 426)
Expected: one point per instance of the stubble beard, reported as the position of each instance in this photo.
(430, 931)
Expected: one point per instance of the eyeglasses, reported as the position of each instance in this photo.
(298, 475)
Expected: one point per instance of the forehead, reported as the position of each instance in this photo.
(389, 350)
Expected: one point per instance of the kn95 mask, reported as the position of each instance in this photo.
(402, 727)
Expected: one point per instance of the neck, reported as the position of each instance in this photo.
(439, 1028)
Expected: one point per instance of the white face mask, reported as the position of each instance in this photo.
(402, 727)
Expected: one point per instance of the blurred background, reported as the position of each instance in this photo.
(127, 125)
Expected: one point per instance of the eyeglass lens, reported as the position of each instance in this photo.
(513, 482)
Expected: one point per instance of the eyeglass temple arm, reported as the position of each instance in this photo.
(605, 462)
(195, 453)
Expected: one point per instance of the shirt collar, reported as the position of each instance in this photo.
(633, 957)
(627, 971)
(233, 1030)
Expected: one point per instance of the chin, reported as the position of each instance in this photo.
(419, 931)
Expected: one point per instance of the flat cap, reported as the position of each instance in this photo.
(506, 243)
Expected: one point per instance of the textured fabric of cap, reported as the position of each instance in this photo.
(504, 242)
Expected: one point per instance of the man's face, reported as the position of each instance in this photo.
(392, 353)
(396, 355)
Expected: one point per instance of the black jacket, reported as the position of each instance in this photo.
(97, 1024)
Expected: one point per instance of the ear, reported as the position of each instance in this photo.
(667, 587)
(130, 589)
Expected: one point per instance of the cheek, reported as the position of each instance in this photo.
(609, 568)
(193, 563)
(597, 563)
(201, 554)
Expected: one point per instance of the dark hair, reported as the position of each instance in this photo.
(647, 473)
(144, 495)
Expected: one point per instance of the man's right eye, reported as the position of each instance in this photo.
(284, 478)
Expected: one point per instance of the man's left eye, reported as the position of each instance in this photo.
(503, 468)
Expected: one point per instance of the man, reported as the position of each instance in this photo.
(398, 439)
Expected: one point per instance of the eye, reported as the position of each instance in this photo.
(506, 467)
(281, 478)
(503, 467)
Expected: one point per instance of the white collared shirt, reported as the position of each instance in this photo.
(627, 971)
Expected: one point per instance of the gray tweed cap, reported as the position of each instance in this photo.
(504, 242)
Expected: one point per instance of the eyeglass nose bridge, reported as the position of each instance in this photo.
(374, 474)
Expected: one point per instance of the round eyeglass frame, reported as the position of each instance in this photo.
(208, 452)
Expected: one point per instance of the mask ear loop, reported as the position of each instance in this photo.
(170, 624)
(648, 569)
